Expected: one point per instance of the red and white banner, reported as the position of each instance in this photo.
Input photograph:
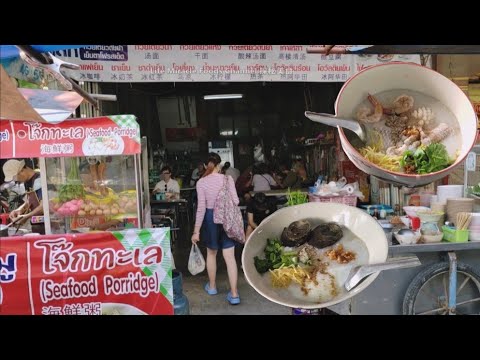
(112, 135)
(203, 63)
(109, 273)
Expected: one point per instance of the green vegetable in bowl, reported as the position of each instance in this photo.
(275, 257)
(426, 160)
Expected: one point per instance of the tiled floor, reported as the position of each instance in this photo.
(201, 303)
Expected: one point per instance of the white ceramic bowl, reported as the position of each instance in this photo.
(430, 216)
(407, 239)
(413, 77)
(360, 223)
(432, 238)
(412, 210)
(474, 235)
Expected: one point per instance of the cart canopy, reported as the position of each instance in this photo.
(108, 135)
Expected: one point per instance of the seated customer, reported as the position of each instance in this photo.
(168, 185)
(227, 169)
(244, 185)
(257, 210)
(288, 178)
(262, 180)
(197, 173)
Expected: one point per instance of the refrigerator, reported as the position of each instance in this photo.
(224, 148)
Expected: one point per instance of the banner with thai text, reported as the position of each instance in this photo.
(109, 135)
(106, 273)
(204, 63)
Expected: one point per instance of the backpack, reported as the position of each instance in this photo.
(228, 214)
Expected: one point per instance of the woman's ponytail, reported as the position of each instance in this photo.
(212, 161)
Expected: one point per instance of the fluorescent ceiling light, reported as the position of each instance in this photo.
(228, 133)
(223, 96)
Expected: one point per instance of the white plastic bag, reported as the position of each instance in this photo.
(196, 262)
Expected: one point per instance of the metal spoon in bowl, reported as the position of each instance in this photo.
(332, 120)
(358, 273)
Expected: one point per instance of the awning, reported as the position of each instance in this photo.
(107, 135)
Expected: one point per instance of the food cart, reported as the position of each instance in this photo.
(91, 179)
(91, 173)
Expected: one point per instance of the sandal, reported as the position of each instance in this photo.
(233, 300)
(210, 291)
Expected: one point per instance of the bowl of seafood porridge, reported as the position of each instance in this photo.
(419, 125)
(301, 255)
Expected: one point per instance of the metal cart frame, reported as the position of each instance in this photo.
(392, 290)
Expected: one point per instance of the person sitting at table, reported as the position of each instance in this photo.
(262, 180)
(167, 185)
(257, 210)
(244, 185)
(287, 178)
(227, 169)
(197, 173)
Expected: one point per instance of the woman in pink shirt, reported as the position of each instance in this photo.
(213, 234)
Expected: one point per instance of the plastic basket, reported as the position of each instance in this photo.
(350, 200)
(453, 235)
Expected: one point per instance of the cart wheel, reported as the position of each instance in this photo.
(427, 294)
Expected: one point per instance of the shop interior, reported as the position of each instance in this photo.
(270, 114)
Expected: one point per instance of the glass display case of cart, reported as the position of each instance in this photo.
(90, 170)
(92, 193)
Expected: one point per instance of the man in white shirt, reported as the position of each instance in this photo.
(167, 185)
(228, 170)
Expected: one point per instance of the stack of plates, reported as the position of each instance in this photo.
(445, 192)
(455, 206)
(474, 228)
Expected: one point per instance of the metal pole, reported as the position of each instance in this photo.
(45, 199)
(452, 284)
(138, 184)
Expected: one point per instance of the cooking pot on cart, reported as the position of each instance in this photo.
(410, 77)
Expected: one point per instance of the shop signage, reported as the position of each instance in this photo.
(217, 63)
(109, 135)
(109, 273)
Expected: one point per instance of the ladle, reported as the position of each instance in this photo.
(332, 120)
(358, 273)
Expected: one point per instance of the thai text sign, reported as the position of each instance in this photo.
(174, 63)
(112, 135)
(111, 273)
